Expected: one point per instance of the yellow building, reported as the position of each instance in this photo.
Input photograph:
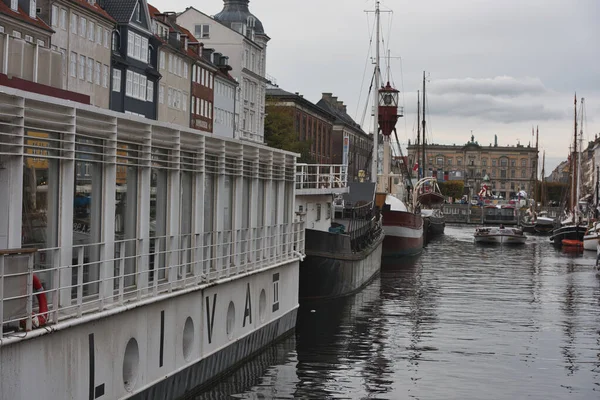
(505, 169)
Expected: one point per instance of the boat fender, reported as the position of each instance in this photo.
(40, 318)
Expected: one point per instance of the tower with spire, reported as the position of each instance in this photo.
(237, 33)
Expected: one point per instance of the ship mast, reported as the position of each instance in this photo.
(579, 157)
(419, 164)
(423, 131)
(543, 188)
(374, 167)
(573, 163)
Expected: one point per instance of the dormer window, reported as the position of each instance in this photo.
(239, 27)
(137, 13)
(14, 5)
(202, 31)
(32, 9)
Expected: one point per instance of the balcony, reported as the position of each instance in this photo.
(317, 179)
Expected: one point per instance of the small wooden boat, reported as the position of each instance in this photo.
(431, 198)
(578, 244)
(499, 235)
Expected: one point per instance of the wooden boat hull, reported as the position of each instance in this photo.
(570, 232)
(429, 199)
(403, 233)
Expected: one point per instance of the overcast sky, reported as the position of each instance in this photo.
(494, 67)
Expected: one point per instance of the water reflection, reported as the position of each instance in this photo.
(460, 321)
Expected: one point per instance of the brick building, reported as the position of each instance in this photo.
(312, 123)
(361, 144)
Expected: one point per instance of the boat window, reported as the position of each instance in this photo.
(318, 211)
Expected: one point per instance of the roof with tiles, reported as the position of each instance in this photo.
(24, 17)
(120, 10)
(95, 8)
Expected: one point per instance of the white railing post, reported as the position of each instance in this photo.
(29, 308)
(1, 293)
(80, 255)
(121, 262)
(55, 284)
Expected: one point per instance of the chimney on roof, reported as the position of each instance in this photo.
(207, 53)
(216, 58)
(326, 96)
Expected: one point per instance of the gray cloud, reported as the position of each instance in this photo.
(497, 86)
(493, 108)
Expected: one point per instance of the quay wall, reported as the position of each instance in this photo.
(476, 215)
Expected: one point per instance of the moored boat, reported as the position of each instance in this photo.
(403, 229)
(543, 225)
(499, 235)
(343, 253)
(592, 237)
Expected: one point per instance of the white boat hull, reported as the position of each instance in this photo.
(499, 236)
(500, 239)
(590, 242)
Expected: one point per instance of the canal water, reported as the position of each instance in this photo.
(461, 321)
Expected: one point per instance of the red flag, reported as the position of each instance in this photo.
(416, 167)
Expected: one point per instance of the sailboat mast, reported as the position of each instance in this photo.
(374, 167)
(579, 154)
(573, 162)
(423, 130)
(419, 164)
(543, 188)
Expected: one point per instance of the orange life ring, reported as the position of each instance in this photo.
(41, 317)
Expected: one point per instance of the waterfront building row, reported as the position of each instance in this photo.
(127, 56)
(504, 169)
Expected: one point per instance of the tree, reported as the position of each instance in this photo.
(454, 189)
(281, 134)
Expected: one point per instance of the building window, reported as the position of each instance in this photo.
(170, 97)
(161, 94)
(512, 173)
(14, 5)
(105, 76)
(63, 19)
(138, 13)
(136, 86)
(137, 47)
(73, 65)
(440, 161)
(91, 30)
(503, 174)
(162, 60)
(185, 70)
(150, 91)
(106, 35)
(484, 162)
(1, 29)
(523, 173)
(97, 75)
(202, 31)
(115, 41)
(82, 26)
(99, 35)
(523, 163)
(459, 161)
(493, 163)
(81, 67)
(192, 108)
(32, 9)
(41, 42)
(129, 83)
(513, 163)
(74, 23)
(90, 69)
(54, 15)
(504, 162)
(29, 38)
(116, 84)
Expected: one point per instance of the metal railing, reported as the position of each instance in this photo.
(321, 176)
(87, 279)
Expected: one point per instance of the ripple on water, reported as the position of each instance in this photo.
(461, 321)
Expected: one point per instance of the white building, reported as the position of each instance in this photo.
(226, 88)
(238, 34)
(82, 34)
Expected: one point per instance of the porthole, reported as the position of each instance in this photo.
(230, 320)
(131, 364)
(262, 306)
(188, 338)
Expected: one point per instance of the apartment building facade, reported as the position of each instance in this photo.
(82, 34)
